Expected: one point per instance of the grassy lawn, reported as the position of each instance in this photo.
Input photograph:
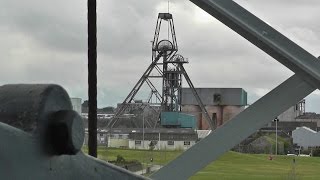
(248, 166)
(231, 165)
(144, 156)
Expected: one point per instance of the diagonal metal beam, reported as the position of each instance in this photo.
(211, 124)
(133, 92)
(234, 131)
(265, 37)
(305, 80)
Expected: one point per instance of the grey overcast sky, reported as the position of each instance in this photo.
(46, 42)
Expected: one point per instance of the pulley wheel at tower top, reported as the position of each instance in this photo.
(165, 46)
(177, 58)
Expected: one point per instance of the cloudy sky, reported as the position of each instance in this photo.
(46, 42)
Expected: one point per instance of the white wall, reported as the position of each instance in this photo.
(163, 145)
(306, 137)
(118, 143)
(76, 105)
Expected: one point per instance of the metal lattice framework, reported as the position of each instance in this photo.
(306, 79)
(170, 69)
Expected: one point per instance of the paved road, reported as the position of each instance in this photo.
(152, 169)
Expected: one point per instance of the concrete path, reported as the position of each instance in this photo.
(153, 168)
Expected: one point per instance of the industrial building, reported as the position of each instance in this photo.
(306, 137)
(138, 138)
(293, 112)
(222, 104)
(162, 139)
(177, 120)
(310, 117)
(76, 105)
(115, 138)
(295, 117)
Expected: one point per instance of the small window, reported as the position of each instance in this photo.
(170, 143)
(186, 143)
(137, 142)
(217, 98)
(101, 134)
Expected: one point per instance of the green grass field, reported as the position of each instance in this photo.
(231, 165)
(159, 157)
(248, 166)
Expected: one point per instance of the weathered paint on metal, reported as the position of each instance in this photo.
(22, 158)
(42, 136)
(64, 133)
(27, 106)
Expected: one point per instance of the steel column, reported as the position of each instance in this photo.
(92, 77)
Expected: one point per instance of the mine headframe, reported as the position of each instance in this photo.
(170, 73)
(170, 70)
(170, 44)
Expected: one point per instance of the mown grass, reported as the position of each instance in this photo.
(251, 166)
(144, 156)
(231, 165)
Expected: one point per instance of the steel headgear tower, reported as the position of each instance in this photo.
(170, 70)
(171, 73)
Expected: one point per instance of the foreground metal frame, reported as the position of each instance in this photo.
(42, 136)
(306, 79)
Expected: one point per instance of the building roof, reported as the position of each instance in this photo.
(306, 137)
(203, 133)
(309, 115)
(164, 130)
(164, 134)
(307, 129)
(147, 130)
(215, 96)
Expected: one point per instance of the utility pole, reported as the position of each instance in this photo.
(92, 77)
(276, 120)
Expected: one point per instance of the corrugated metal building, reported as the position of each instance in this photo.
(177, 120)
(162, 139)
(222, 104)
(306, 137)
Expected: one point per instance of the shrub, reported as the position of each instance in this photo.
(316, 152)
(120, 159)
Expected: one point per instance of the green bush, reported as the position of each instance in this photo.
(305, 151)
(316, 152)
(120, 159)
